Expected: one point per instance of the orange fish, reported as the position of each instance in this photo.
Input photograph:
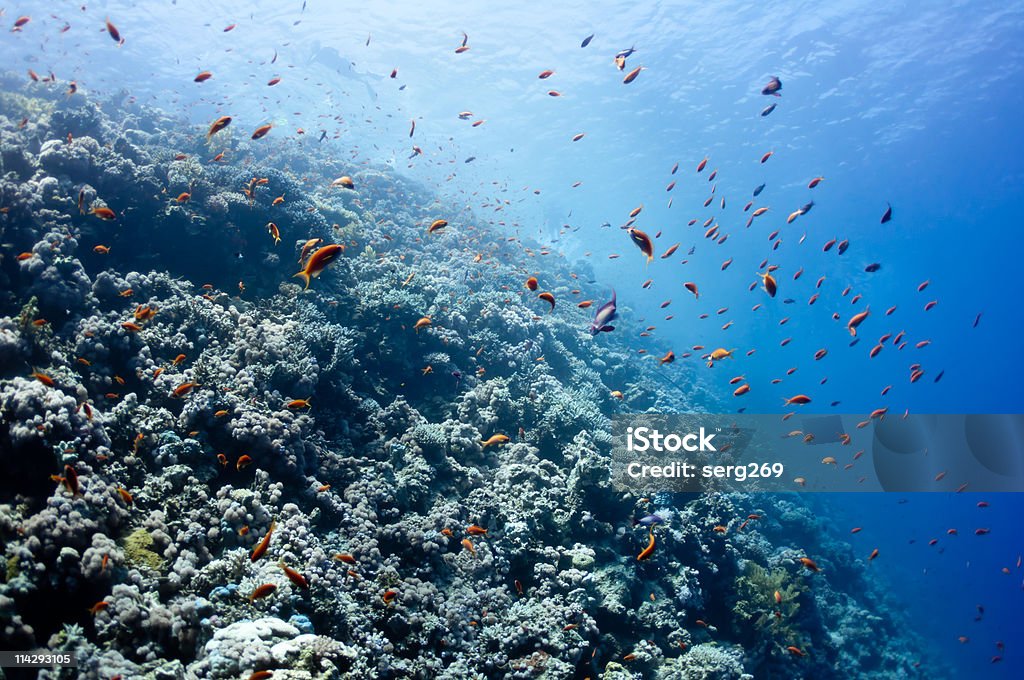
(496, 439)
(531, 283)
(261, 131)
(468, 545)
(114, 34)
(295, 404)
(262, 591)
(261, 548)
(770, 285)
(631, 76)
(809, 563)
(275, 233)
(389, 596)
(294, 576)
(549, 298)
(184, 388)
(244, 461)
(643, 242)
(856, 320)
(319, 261)
(474, 530)
(669, 357)
(218, 125)
(104, 213)
(437, 225)
(307, 247)
(649, 550)
(203, 76)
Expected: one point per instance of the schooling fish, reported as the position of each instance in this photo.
(625, 54)
(604, 315)
(758, 190)
(768, 109)
(586, 41)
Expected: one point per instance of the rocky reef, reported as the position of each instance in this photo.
(207, 470)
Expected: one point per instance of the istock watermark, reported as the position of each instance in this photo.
(649, 439)
(807, 452)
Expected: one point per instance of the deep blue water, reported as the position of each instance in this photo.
(916, 105)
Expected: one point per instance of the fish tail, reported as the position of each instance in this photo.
(304, 276)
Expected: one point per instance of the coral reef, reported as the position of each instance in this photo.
(207, 470)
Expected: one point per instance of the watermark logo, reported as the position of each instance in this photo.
(643, 439)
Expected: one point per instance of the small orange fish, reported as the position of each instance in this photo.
(319, 261)
(244, 461)
(275, 233)
(218, 125)
(262, 591)
(98, 607)
(474, 530)
(262, 130)
(468, 545)
(261, 547)
(549, 298)
(294, 576)
(809, 564)
(345, 557)
(184, 388)
(531, 283)
(631, 76)
(649, 550)
(389, 596)
(295, 404)
(203, 76)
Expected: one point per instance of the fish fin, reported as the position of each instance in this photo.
(304, 276)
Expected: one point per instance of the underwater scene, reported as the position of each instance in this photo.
(328, 331)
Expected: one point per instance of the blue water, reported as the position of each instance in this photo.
(916, 105)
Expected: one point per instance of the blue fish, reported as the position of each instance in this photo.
(650, 521)
(586, 41)
(626, 53)
(605, 313)
(768, 109)
(758, 190)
